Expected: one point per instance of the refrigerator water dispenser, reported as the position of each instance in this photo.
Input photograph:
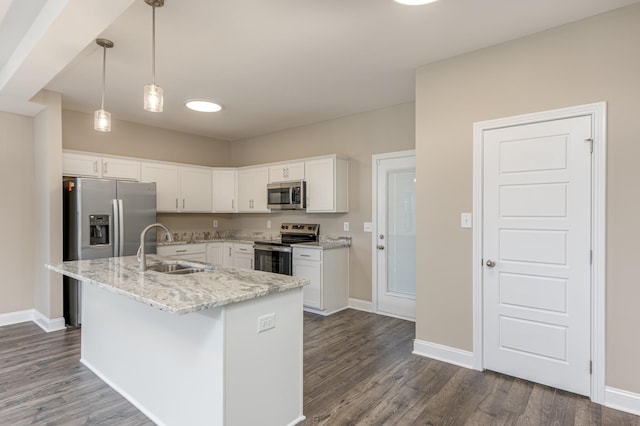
(99, 229)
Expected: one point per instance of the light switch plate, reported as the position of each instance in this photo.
(268, 224)
(346, 226)
(367, 227)
(215, 223)
(465, 220)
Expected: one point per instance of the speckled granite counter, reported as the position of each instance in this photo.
(324, 245)
(178, 294)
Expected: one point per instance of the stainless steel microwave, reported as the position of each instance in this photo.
(287, 195)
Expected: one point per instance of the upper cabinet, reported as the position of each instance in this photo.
(224, 191)
(180, 189)
(327, 185)
(252, 190)
(74, 164)
(286, 172)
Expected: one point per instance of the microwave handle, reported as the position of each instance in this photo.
(291, 194)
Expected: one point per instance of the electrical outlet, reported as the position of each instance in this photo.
(465, 220)
(346, 226)
(215, 223)
(266, 322)
(367, 227)
(268, 224)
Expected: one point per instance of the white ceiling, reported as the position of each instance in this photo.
(272, 64)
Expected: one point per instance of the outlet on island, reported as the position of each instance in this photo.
(266, 322)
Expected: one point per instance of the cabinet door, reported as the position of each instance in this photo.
(195, 190)
(166, 178)
(286, 172)
(312, 293)
(81, 165)
(260, 180)
(295, 171)
(215, 253)
(320, 185)
(224, 191)
(116, 168)
(227, 254)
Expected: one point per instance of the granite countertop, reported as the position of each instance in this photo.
(324, 245)
(177, 294)
(218, 240)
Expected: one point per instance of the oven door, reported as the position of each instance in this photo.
(276, 259)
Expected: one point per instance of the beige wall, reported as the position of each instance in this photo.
(16, 213)
(355, 137)
(589, 61)
(137, 140)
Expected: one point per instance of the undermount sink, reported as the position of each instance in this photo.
(179, 268)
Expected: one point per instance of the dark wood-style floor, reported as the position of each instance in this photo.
(358, 370)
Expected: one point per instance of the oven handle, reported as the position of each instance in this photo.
(272, 248)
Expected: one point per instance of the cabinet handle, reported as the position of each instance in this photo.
(95, 166)
(305, 255)
(252, 264)
(229, 251)
(183, 203)
(181, 251)
(232, 203)
(176, 203)
(105, 168)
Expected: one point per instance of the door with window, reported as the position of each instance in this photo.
(395, 234)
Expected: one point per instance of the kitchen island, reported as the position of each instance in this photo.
(218, 347)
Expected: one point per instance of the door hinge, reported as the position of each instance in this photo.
(590, 367)
(590, 140)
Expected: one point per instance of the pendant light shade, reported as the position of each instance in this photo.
(102, 118)
(153, 99)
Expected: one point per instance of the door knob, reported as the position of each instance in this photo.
(490, 263)
(380, 247)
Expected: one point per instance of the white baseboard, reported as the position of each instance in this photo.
(360, 305)
(443, 353)
(39, 319)
(16, 317)
(622, 400)
(48, 324)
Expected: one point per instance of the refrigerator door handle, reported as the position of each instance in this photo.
(116, 228)
(121, 228)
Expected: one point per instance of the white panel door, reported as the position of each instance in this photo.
(537, 273)
(396, 236)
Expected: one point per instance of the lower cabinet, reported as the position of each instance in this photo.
(196, 252)
(215, 253)
(328, 271)
(243, 255)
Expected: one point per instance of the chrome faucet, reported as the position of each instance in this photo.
(143, 259)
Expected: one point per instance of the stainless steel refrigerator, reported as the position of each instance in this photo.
(103, 218)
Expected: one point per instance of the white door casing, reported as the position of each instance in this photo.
(539, 312)
(393, 242)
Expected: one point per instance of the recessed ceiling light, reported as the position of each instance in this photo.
(202, 105)
(415, 2)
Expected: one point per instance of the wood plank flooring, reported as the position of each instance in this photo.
(358, 370)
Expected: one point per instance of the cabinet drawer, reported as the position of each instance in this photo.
(241, 249)
(181, 249)
(307, 254)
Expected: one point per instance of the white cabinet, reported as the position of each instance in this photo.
(286, 171)
(215, 253)
(120, 168)
(328, 272)
(327, 185)
(196, 252)
(227, 254)
(180, 189)
(252, 190)
(243, 255)
(76, 164)
(195, 189)
(166, 178)
(224, 190)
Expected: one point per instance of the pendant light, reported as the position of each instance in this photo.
(102, 118)
(153, 93)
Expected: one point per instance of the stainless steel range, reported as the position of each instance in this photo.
(277, 256)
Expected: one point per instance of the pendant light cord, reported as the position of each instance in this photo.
(104, 74)
(153, 46)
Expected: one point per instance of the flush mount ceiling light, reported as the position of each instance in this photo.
(153, 99)
(101, 118)
(414, 2)
(202, 105)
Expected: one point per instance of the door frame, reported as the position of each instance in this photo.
(374, 223)
(598, 113)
